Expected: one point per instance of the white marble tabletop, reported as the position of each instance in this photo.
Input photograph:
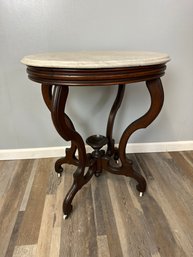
(84, 59)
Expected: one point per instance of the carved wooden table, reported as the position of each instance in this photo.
(59, 71)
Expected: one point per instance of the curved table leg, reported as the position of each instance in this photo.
(47, 95)
(113, 112)
(157, 97)
(66, 130)
(47, 92)
(79, 181)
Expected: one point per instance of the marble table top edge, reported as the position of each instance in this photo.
(84, 59)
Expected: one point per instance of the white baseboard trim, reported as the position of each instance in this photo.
(160, 147)
(32, 153)
(48, 152)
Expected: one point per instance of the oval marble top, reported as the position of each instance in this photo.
(91, 60)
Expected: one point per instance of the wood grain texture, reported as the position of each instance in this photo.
(7, 168)
(108, 220)
(55, 242)
(103, 248)
(11, 205)
(29, 230)
(28, 187)
(133, 233)
(14, 234)
(25, 251)
(43, 246)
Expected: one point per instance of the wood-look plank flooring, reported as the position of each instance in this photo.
(108, 219)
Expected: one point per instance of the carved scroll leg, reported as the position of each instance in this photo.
(69, 158)
(157, 97)
(79, 182)
(66, 130)
(113, 112)
(47, 92)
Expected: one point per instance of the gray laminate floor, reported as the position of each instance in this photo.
(108, 220)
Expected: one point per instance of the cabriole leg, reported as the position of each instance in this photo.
(157, 97)
(47, 93)
(109, 131)
(56, 102)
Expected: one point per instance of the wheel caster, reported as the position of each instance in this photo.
(140, 194)
(116, 161)
(97, 174)
(59, 175)
(65, 217)
(67, 211)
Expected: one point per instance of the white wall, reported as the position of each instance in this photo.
(63, 25)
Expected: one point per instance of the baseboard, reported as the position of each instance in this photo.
(48, 152)
(160, 147)
(31, 153)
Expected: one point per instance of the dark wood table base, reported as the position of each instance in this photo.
(55, 88)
